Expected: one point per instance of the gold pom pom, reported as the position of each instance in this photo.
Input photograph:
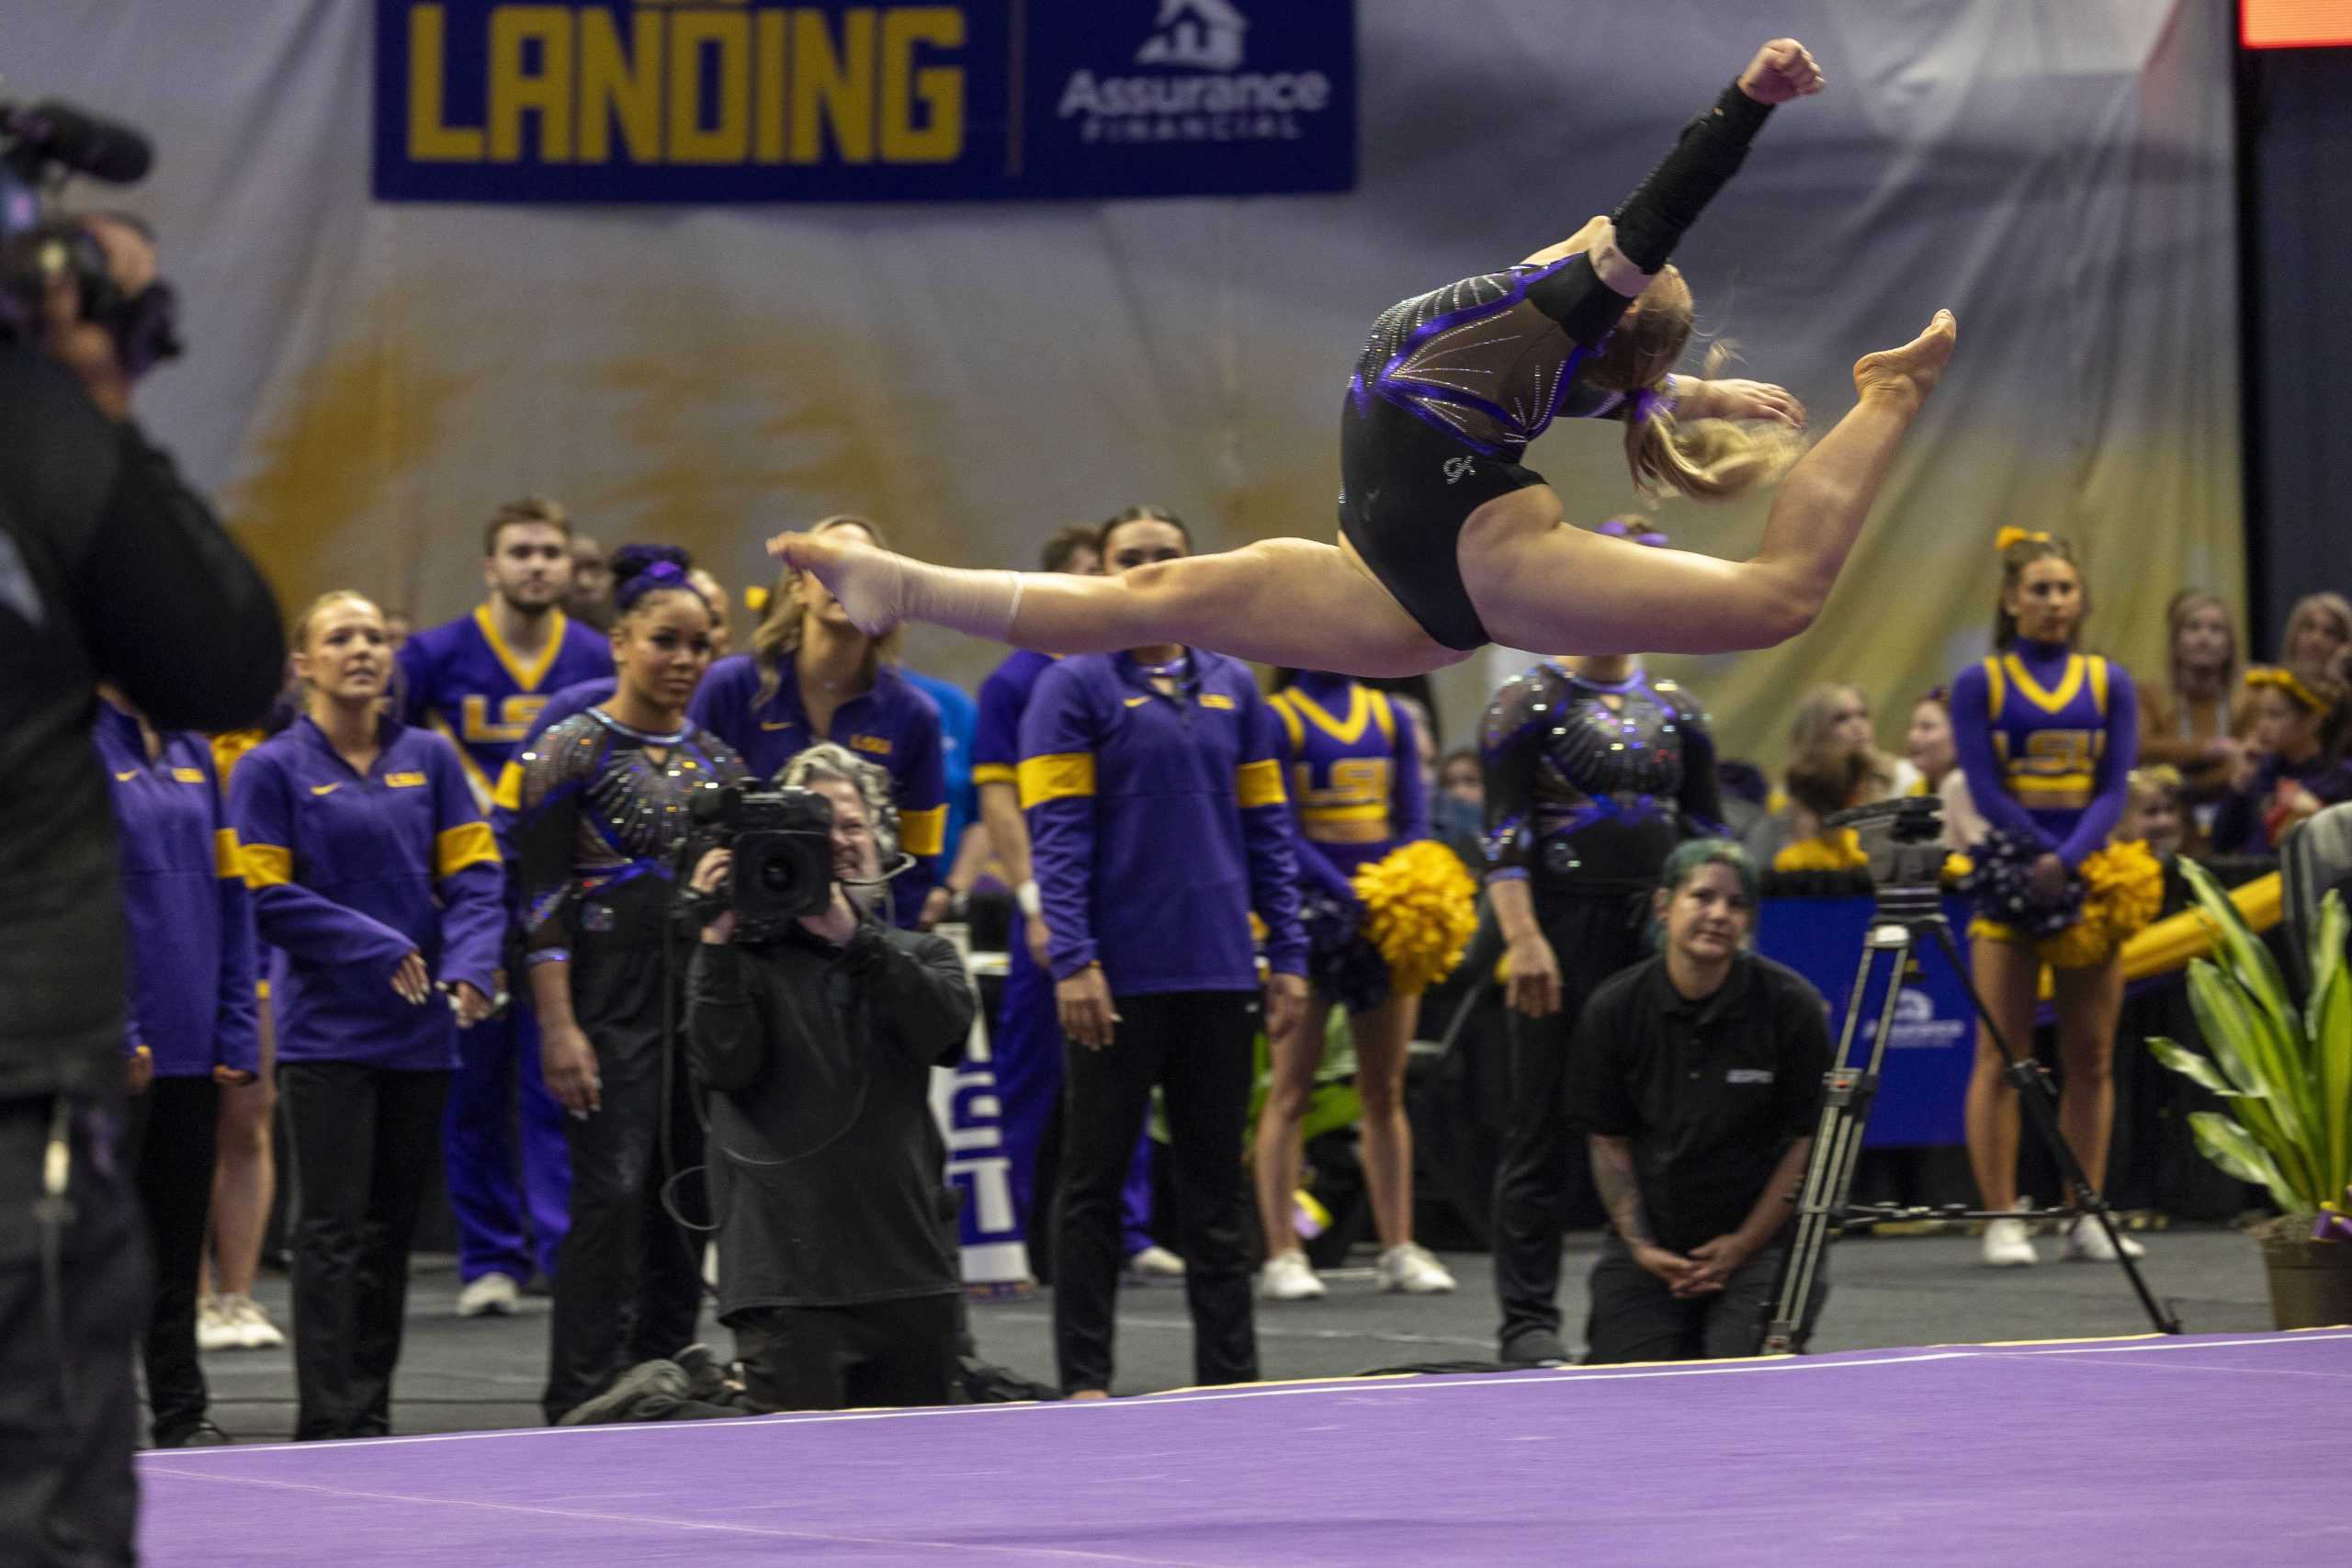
(2122, 889)
(1419, 911)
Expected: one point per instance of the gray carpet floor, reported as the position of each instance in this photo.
(1885, 1292)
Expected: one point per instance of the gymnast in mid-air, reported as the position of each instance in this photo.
(1447, 543)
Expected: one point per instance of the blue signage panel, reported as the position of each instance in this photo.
(1921, 1097)
(710, 101)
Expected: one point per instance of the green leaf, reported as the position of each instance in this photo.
(2227, 1019)
(2189, 1065)
(2328, 1035)
(2249, 961)
(2229, 1147)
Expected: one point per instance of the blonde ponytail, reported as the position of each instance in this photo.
(1706, 459)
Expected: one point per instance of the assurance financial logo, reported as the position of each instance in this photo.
(1199, 87)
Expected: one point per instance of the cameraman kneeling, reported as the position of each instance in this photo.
(817, 1043)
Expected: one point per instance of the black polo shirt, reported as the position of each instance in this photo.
(1711, 1092)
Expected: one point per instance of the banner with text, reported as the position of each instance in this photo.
(712, 101)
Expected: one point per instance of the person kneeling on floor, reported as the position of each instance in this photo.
(1697, 1078)
(816, 1037)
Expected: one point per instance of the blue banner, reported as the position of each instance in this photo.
(1924, 1084)
(715, 101)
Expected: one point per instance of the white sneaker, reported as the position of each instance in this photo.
(2007, 1246)
(2086, 1242)
(1412, 1270)
(215, 1329)
(253, 1329)
(1155, 1265)
(1289, 1277)
(492, 1295)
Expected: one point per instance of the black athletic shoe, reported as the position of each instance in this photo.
(644, 1381)
(1534, 1348)
(203, 1434)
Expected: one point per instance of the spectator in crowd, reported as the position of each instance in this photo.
(2318, 635)
(191, 1026)
(1823, 782)
(2154, 813)
(589, 599)
(811, 676)
(1157, 824)
(374, 880)
(2048, 738)
(602, 814)
(2296, 765)
(1927, 745)
(398, 628)
(481, 680)
(1357, 794)
(244, 1169)
(1594, 772)
(2197, 721)
(722, 630)
(1458, 811)
(1697, 1077)
(1830, 718)
(1027, 1044)
(1458, 778)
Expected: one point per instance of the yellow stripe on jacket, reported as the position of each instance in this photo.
(468, 843)
(1259, 784)
(1056, 777)
(924, 832)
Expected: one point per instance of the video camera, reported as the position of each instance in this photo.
(1903, 840)
(784, 850)
(42, 145)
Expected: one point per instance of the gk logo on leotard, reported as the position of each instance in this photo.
(1455, 467)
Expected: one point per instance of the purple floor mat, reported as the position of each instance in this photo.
(2208, 1449)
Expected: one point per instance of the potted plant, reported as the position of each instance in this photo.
(2284, 1075)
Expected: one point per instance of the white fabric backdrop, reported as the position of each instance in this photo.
(366, 381)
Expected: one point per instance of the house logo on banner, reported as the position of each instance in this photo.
(1917, 1025)
(1206, 33)
(1206, 95)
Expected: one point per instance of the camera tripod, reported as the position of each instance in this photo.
(1911, 906)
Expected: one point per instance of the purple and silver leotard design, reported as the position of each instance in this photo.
(1478, 360)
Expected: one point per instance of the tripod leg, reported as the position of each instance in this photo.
(2040, 1107)
(1837, 1148)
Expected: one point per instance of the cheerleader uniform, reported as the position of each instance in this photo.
(191, 1005)
(349, 873)
(892, 724)
(1589, 786)
(462, 680)
(601, 819)
(1355, 788)
(2047, 738)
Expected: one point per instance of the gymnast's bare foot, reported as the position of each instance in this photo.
(867, 580)
(1909, 373)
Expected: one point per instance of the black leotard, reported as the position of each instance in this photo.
(1454, 383)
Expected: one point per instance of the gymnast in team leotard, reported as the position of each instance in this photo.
(1447, 542)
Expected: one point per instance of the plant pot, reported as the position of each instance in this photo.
(2311, 1282)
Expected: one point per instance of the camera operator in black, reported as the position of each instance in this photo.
(604, 798)
(111, 568)
(1593, 772)
(816, 1035)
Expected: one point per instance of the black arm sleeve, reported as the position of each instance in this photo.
(1652, 220)
(1660, 211)
(162, 579)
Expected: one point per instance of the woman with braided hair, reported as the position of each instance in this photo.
(1447, 541)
